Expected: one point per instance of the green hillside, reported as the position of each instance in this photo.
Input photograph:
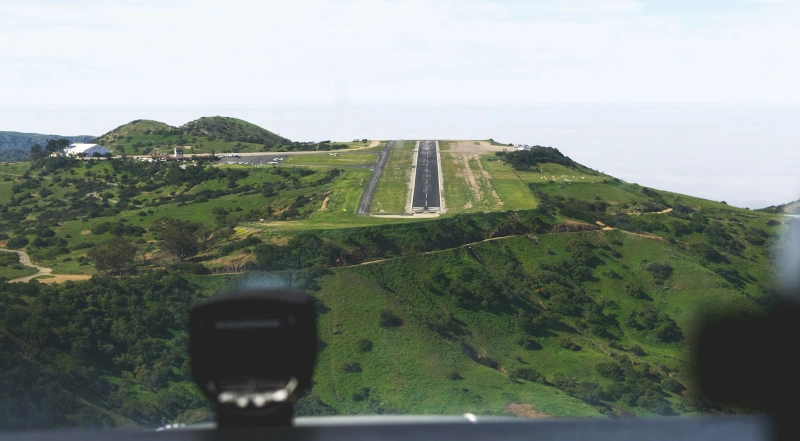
(582, 306)
(232, 130)
(217, 133)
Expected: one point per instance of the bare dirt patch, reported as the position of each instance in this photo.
(478, 147)
(525, 410)
(462, 152)
(86, 232)
(325, 204)
(61, 278)
(230, 264)
(488, 179)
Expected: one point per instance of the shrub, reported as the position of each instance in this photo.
(361, 395)
(634, 291)
(773, 223)
(531, 345)
(454, 375)
(529, 374)
(660, 271)
(389, 320)
(669, 331)
(351, 367)
(611, 370)
(489, 362)
(637, 350)
(190, 268)
(562, 381)
(654, 403)
(567, 343)
(364, 345)
(17, 242)
(672, 385)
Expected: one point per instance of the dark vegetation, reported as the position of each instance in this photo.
(130, 328)
(13, 155)
(117, 342)
(353, 245)
(14, 146)
(57, 190)
(528, 159)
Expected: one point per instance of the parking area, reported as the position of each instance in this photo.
(255, 160)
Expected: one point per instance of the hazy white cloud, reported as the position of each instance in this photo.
(93, 53)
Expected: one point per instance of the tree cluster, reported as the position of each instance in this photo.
(527, 159)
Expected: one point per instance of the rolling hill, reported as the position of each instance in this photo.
(789, 208)
(14, 146)
(202, 136)
(582, 306)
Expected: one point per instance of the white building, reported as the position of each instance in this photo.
(88, 150)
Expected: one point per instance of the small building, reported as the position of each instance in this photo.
(178, 152)
(88, 150)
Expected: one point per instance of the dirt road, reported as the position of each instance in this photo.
(26, 260)
(42, 271)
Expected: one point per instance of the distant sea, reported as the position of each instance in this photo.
(748, 156)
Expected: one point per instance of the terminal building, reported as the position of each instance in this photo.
(88, 150)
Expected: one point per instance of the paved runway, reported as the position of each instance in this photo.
(426, 183)
(369, 191)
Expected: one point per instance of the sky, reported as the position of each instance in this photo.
(86, 66)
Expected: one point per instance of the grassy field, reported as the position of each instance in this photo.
(11, 273)
(341, 159)
(391, 194)
(561, 174)
(512, 190)
(363, 147)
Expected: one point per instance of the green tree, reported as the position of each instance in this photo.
(113, 256)
(36, 152)
(178, 241)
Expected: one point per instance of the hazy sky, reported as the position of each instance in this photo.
(165, 52)
(86, 66)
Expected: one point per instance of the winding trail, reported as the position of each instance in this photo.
(26, 260)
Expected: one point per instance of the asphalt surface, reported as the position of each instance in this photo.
(426, 183)
(369, 191)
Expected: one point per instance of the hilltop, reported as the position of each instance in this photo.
(202, 135)
(547, 288)
(788, 208)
